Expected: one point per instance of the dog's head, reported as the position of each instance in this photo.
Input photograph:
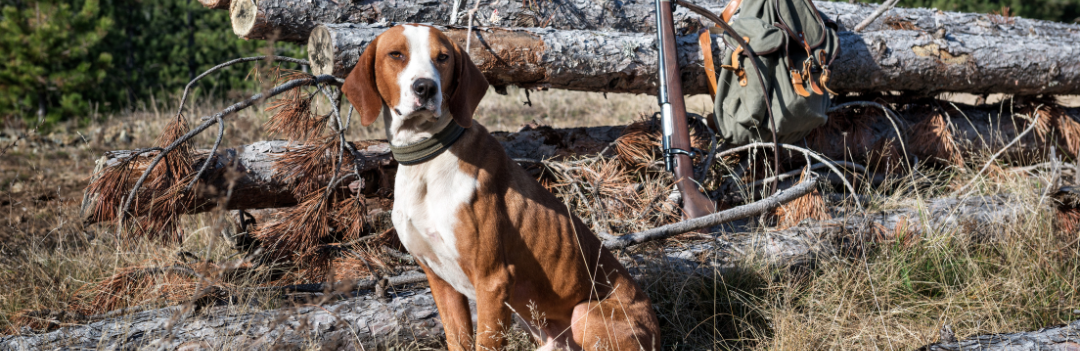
(416, 71)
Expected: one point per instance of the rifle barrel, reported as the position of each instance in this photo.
(676, 137)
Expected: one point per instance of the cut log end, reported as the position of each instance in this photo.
(243, 15)
(334, 48)
(321, 51)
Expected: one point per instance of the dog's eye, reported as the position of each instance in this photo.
(396, 55)
(442, 57)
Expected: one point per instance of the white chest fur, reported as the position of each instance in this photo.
(427, 198)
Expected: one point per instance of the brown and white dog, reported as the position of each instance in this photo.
(480, 226)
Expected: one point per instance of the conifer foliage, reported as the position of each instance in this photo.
(47, 57)
(65, 59)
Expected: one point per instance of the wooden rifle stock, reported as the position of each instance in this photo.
(695, 204)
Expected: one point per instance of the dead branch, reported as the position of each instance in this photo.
(211, 121)
(744, 211)
(187, 88)
(886, 6)
(344, 287)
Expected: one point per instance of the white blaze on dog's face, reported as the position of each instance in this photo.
(426, 60)
(419, 73)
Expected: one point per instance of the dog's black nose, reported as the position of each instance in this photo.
(424, 88)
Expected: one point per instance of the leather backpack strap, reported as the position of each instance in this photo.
(705, 41)
(730, 9)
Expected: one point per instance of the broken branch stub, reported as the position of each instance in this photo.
(603, 61)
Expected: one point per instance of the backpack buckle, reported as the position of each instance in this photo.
(798, 83)
(734, 66)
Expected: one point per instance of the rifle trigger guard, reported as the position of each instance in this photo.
(674, 151)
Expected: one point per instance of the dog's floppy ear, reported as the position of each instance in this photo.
(360, 87)
(469, 88)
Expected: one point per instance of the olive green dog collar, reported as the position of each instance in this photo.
(427, 149)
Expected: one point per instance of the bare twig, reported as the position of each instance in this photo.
(209, 122)
(857, 167)
(989, 162)
(744, 211)
(1034, 167)
(828, 163)
(210, 156)
(877, 13)
(398, 254)
(365, 284)
(183, 98)
(468, 32)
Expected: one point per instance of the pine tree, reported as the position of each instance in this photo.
(48, 58)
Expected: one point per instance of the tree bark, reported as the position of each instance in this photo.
(887, 60)
(296, 18)
(411, 313)
(364, 320)
(1063, 337)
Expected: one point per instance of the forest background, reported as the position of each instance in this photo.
(87, 60)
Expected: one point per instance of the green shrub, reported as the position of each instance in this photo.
(61, 59)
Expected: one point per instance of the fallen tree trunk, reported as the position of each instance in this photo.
(247, 173)
(293, 20)
(1064, 337)
(411, 314)
(363, 320)
(250, 171)
(887, 60)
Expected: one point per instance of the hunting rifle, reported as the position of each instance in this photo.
(676, 136)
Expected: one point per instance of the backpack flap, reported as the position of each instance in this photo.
(794, 70)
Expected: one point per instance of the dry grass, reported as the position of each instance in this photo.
(894, 295)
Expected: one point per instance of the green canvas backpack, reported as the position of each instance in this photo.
(795, 47)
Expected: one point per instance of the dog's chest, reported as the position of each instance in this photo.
(427, 200)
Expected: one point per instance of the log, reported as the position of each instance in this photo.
(874, 61)
(295, 19)
(973, 131)
(1062, 337)
(363, 320)
(215, 4)
(257, 187)
(411, 313)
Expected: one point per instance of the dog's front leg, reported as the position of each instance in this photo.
(492, 312)
(454, 312)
